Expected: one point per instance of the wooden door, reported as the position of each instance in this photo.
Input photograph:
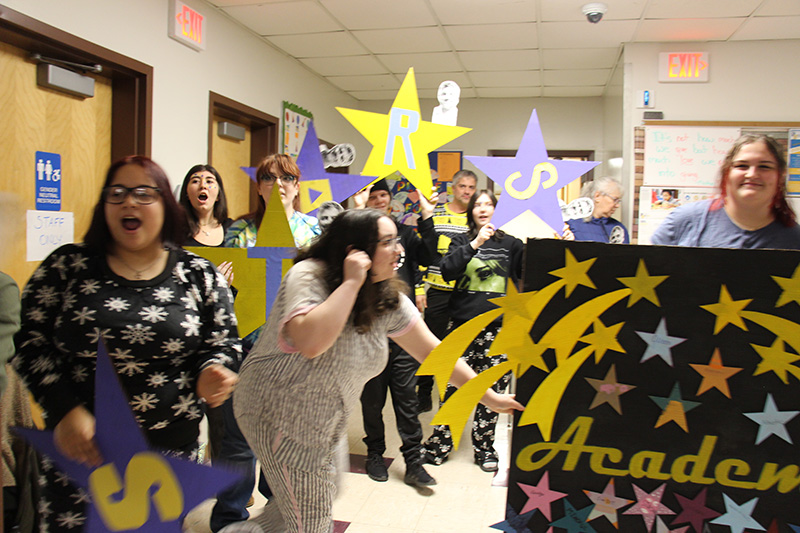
(229, 156)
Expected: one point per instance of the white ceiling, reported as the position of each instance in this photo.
(494, 48)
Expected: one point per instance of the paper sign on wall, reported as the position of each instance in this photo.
(685, 156)
(47, 231)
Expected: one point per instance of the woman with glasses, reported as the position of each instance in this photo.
(325, 337)
(751, 210)
(481, 262)
(600, 226)
(164, 314)
(275, 169)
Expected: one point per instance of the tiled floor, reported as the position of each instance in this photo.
(465, 500)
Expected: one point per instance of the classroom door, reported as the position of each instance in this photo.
(44, 120)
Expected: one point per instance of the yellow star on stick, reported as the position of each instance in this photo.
(727, 310)
(401, 140)
(575, 273)
(791, 288)
(642, 285)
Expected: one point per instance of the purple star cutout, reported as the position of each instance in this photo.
(514, 523)
(530, 180)
(317, 181)
(649, 505)
(251, 173)
(694, 511)
(124, 448)
(540, 496)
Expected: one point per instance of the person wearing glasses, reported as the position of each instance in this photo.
(325, 337)
(600, 226)
(165, 315)
(283, 170)
(275, 170)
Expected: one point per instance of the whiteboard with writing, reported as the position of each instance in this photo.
(681, 156)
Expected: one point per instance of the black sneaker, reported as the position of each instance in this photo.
(416, 476)
(487, 462)
(376, 468)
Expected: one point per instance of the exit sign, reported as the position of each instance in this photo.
(187, 25)
(683, 66)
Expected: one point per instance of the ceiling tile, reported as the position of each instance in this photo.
(570, 10)
(509, 92)
(685, 9)
(403, 41)
(517, 78)
(345, 66)
(779, 7)
(223, 3)
(371, 15)
(318, 44)
(607, 34)
(284, 18)
(373, 95)
(572, 91)
(767, 28)
(567, 78)
(567, 58)
(366, 83)
(433, 80)
(500, 60)
(492, 36)
(687, 30)
(431, 62)
(484, 11)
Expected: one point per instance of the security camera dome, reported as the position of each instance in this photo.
(594, 11)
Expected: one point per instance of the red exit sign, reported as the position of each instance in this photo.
(683, 66)
(187, 25)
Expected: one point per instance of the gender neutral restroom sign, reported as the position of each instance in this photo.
(48, 181)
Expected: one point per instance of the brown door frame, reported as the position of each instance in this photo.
(131, 80)
(263, 131)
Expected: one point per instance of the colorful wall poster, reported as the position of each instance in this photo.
(660, 390)
(295, 124)
(656, 203)
(793, 174)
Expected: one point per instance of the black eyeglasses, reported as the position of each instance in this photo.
(284, 179)
(143, 194)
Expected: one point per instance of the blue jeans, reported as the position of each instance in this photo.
(235, 454)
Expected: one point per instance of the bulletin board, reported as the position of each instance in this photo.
(684, 157)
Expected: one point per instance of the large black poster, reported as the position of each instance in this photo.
(661, 391)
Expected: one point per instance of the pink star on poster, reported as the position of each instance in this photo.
(530, 180)
(694, 511)
(661, 527)
(649, 505)
(540, 496)
(606, 503)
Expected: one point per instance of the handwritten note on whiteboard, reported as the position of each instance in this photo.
(681, 156)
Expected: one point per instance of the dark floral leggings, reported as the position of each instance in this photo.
(440, 443)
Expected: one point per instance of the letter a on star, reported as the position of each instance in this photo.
(401, 140)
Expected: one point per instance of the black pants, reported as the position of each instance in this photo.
(398, 377)
(437, 317)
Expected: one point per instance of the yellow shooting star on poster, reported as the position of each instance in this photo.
(401, 140)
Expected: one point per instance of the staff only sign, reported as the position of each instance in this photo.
(661, 391)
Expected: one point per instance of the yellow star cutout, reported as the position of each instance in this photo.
(575, 273)
(401, 140)
(515, 303)
(603, 338)
(727, 311)
(775, 359)
(791, 288)
(642, 285)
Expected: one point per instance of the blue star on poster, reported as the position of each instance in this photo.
(318, 186)
(136, 488)
(530, 180)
